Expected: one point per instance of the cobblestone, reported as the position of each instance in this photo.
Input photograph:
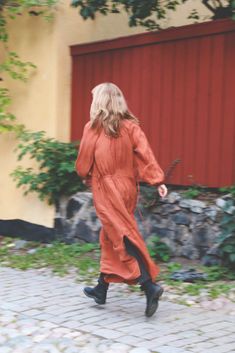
(42, 313)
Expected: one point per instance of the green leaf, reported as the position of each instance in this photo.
(232, 257)
(75, 3)
(228, 248)
(54, 175)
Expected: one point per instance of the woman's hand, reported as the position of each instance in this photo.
(87, 181)
(162, 189)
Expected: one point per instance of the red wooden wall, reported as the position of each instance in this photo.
(180, 83)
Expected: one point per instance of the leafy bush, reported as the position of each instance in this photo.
(192, 192)
(228, 189)
(216, 273)
(55, 175)
(158, 249)
(227, 237)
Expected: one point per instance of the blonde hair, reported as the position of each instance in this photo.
(109, 108)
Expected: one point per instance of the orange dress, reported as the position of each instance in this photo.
(116, 165)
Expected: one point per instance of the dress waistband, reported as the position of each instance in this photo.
(116, 174)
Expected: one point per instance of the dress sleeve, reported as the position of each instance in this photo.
(86, 151)
(148, 169)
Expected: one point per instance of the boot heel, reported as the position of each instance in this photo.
(153, 295)
(161, 291)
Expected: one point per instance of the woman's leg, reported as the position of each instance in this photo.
(152, 290)
(99, 292)
(133, 251)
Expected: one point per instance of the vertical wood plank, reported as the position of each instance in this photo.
(226, 167)
(182, 91)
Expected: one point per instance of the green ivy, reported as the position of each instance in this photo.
(54, 174)
(16, 68)
(7, 120)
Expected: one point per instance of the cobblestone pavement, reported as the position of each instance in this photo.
(48, 314)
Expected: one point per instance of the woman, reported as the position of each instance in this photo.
(114, 155)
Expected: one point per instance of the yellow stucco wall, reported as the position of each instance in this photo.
(43, 103)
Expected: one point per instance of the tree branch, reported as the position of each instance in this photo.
(211, 8)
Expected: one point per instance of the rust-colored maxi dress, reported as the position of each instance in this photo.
(116, 166)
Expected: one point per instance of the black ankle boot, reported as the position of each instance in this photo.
(153, 292)
(99, 292)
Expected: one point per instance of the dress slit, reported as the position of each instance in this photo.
(134, 251)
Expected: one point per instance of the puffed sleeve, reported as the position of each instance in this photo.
(148, 169)
(86, 151)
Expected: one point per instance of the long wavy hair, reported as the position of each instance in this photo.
(109, 108)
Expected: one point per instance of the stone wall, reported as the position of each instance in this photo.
(189, 227)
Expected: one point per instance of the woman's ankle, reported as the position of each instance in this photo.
(102, 281)
(146, 284)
